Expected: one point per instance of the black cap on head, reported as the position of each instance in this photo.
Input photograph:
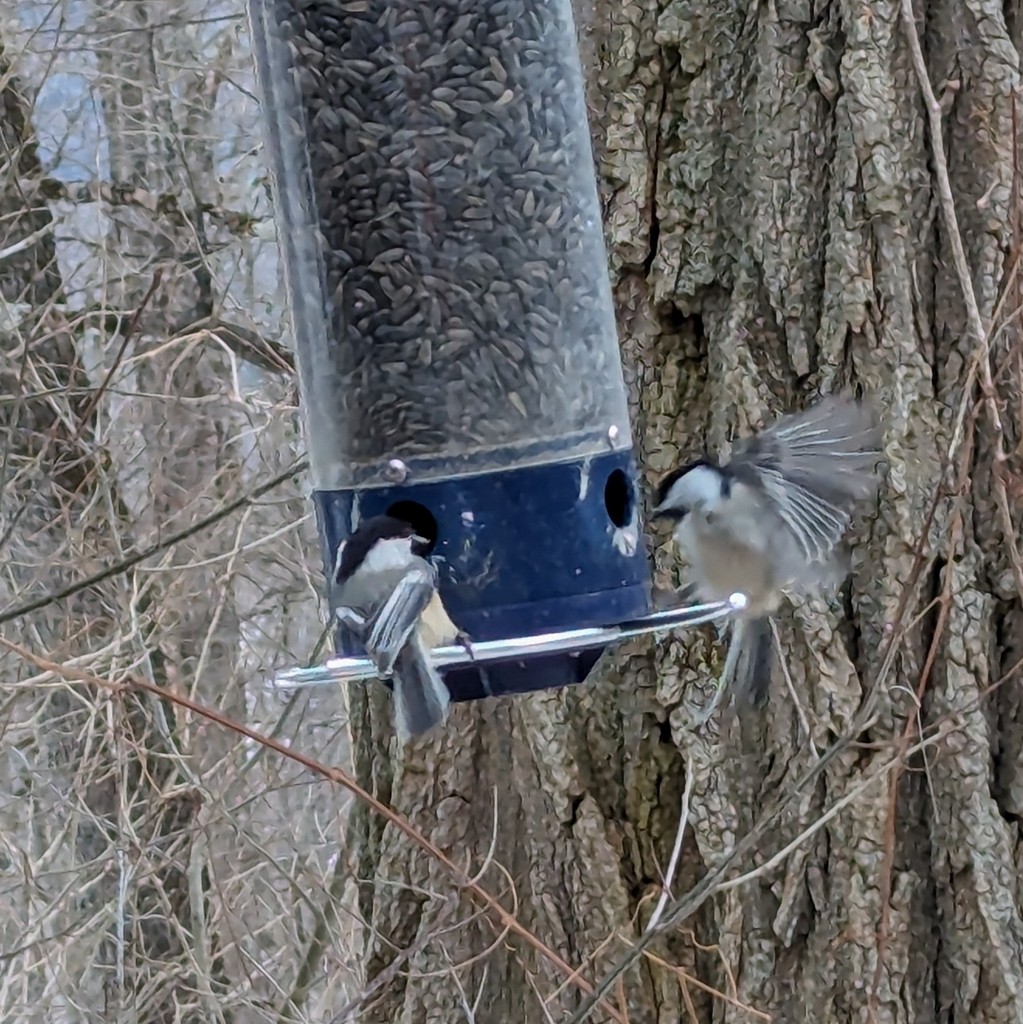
(357, 546)
(668, 481)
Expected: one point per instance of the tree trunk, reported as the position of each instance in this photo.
(774, 231)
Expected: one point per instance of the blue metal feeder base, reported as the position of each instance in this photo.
(538, 549)
(543, 672)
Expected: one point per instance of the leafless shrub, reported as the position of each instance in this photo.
(153, 867)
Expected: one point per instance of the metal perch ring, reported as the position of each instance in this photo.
(345, 670)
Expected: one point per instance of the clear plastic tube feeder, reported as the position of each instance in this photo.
(444, 261)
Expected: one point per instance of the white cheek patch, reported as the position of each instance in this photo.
(700, 486)
(388, 555)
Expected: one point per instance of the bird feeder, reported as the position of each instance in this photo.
(443, 257)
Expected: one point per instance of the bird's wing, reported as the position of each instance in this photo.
(812, 467)
(815, 523)
(833, 448)
(399, 616)
(832, 417)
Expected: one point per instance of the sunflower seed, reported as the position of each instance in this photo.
(462, 250)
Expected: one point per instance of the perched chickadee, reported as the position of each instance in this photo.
(771, 519)
(382, 577)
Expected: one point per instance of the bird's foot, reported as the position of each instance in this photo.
(465, 642)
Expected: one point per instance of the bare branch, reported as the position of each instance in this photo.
(129, 333)
(10, 614)
(341, 778)
(676, 850)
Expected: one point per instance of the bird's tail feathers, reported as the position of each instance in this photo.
(751, 654)
(421, 700)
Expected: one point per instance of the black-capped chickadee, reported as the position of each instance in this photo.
(770, 521)
(386, 594)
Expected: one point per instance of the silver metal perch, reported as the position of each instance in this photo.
(349, 669)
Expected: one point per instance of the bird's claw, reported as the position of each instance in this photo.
(464, 641)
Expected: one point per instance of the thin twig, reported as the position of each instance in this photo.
(306, 975)
(27, 242)
(393, 969)
(893, 764)
(128, 334)
(341, 778)
(685, 978)
(662, 902)
(885, 886)
(688, 904)
(539, 998)
(243, 501)
(980, 362)
(962, 267)
(623, 1005)
(804, 721)
(469, 1012)
(679, 909)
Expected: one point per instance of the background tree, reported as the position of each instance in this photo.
(787, 211)
(145, 872)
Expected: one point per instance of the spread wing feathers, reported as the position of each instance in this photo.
(833, 448)
(814, 467)
(815, 523)
(398, 617)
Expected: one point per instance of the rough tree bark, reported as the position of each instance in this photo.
(774, 230)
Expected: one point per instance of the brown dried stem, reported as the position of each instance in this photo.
(170, 541)
(339, 777)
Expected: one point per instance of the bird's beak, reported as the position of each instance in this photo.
(668, 512)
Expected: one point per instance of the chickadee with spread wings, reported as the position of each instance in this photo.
(386, 595)
(770, 520)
